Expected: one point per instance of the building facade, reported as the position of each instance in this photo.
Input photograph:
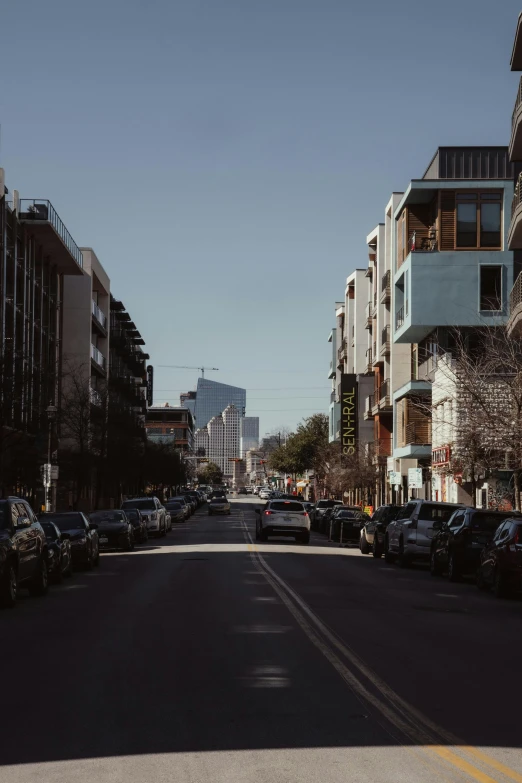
(249, 434)
(172, 425)
(212, 398)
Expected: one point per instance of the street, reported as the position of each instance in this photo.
(205, 656)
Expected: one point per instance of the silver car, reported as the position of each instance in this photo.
(283, 518)
(152, 511)
(408, 537)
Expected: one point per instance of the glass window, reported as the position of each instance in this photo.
(139, 504)
(466, 225)
(466, 196)
(499, 532)
(436, 513)
(490, 225)
(287, 505)
(485, 521)
(107, 516)
(490, 287)
(66, 522)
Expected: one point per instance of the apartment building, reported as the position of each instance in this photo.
(249, 432)
(37, 255)
(451, 268)
(515, 156)
(171, 425)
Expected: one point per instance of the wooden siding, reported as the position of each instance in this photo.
(419, 221)
(447, 220)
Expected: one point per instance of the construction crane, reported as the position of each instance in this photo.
(183, 367)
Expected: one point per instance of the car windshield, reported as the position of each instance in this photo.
(287, 505)
(390, 513)
(430, 512)
(218, 500)
(174, 506)
(147, 505)
(131, 513)
(49, 530)
(107, 516)
(485, 522)
(328, 503)
(181, 501)
(66, 522)
(349, 514)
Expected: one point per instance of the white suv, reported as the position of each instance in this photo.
(408, 537)
(152, 511)
(283, 518)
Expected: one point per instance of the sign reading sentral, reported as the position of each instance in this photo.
(348, 414)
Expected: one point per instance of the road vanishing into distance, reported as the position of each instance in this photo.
(206, 657)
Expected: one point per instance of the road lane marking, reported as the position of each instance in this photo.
(403, 716)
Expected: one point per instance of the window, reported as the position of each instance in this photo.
(491, 288)
(479, 220)
(430, 512)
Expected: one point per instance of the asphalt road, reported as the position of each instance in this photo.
(207, 657)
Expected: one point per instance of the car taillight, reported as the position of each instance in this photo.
(269, 512)
(304, 513)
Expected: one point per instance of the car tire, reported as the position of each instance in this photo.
(453, 569)
(499, 586)
(389, 557)
(262, 535)
(376, 550)
(9, 587)
(364, 546)
(304, 538)
(403, 561)
(481, 582)
(39, 584)
(58, 577)
(435, 569)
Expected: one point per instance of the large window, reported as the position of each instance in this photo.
(479, 220)
(491, 288)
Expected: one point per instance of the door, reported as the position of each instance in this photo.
(489, 556)
(372, 525)
(448, 536)
(22, 542)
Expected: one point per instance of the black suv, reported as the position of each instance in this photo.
(458, 543)
(372, 534)
(23, 551)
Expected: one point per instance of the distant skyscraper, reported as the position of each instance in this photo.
(219, 441)
(188, 400)
(231, 422)
(249, 434)
(212, 398)
(215, 451)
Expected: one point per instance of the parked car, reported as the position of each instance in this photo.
(257, 490)
(191, 502)
(458, 543)
(23, 551)
(218, 493)
(218, 505)
(409, 535)
(320, 509)
(115, 530)
(249, 490)
(59, 560)
(501, 560)
(181, 501)
(373, 531)
(168, 520)
(242, 491)
(178, 512)
(350, 519)
(153, 512)
(139, 524)
(283, 518)
(85, 546)
(265, 493)
(310, 509)
(195, 497)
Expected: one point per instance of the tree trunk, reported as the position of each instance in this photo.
(516, 483)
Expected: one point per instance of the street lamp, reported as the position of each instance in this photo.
(51, 411)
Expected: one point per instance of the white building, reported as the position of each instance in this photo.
(219, 440)
(231, 438)
(249, 434)
(216, 432)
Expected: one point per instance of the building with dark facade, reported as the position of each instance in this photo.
(174, 425)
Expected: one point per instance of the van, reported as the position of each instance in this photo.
(409, 536)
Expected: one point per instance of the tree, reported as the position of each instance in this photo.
(210, 473)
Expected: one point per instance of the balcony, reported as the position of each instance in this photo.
(515, 144)
(375, 403)
(97, 359)
(332, 397)
(95, 397)
(515, 228)
(375, 355)
(418, 433)
(331, 373)
(514, 326)
(49, 230)
(99, 318)
(385, 341)
(385, 403)
(386, 287)
(369, 406)
(369, 271)
(381, 450)
(399, 318)
(369, 363)
(342, 352)
(369, 315)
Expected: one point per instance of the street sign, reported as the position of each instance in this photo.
(414, 478)
(395, 478)
(48, 474)
(150, 384)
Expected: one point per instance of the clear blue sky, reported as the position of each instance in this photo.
(226, 159)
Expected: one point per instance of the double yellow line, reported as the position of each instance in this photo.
(432, 740)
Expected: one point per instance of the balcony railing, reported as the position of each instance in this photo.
(385, 340)
(515, 297)
(423, 243)
(99, 314)
(97, 356)
(399, 318)
(418, 433)
(332, 396)
(384, 390)
(95, 397)
(341, 353)
(369, 314)
(369, 364)
(517, 196)
(518, 101)
(42, 209)
(385, 281)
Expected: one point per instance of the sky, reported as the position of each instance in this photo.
(226, 159)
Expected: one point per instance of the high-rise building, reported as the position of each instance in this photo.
(212, 398)
(218, 442)
(249, 434)
(216, 432)
(188, 400)
(231, 422)
(201, 442)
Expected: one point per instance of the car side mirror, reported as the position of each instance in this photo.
(23, 522)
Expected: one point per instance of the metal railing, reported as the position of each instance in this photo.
(384, 389)
(341, 353)
(425, 243)
(99, 314)
(517, 195)
(332, 396)
(97, 356)
(370, 402)
(518, 101)
(385, 282)
(399, 318)
(515, 297)
(94, 396)
(42, 209)
(369, 357)
(385, 336)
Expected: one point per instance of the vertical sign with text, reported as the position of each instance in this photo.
(150, 384)
(349, 404)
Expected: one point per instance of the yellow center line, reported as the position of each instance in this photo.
(491, 762)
